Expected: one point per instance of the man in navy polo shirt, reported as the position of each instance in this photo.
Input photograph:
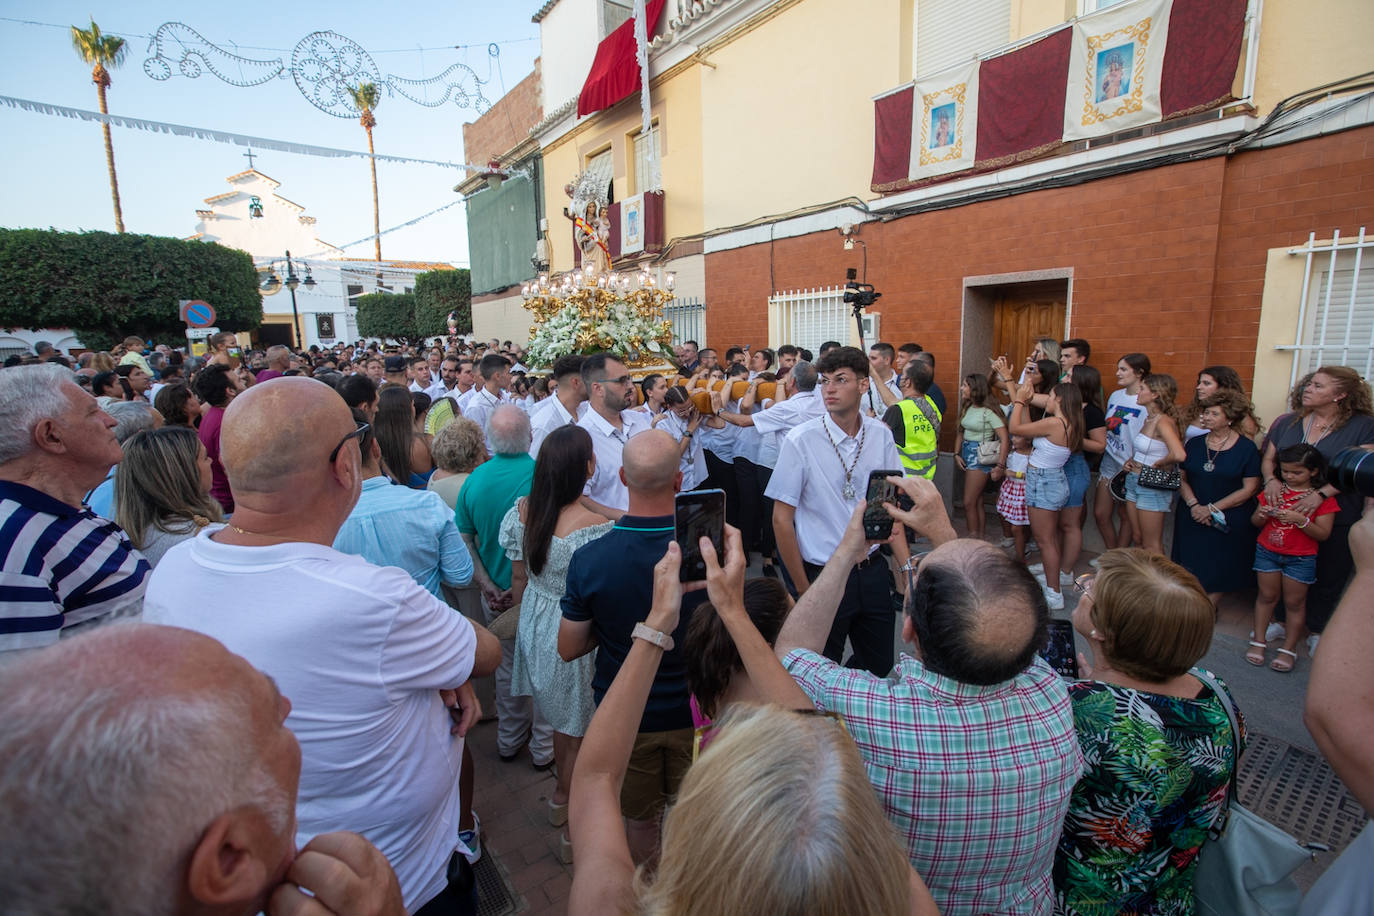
(610, 589)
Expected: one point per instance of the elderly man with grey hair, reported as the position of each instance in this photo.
(61, 566)
(131, 417)
(483, 502)
(161, 737)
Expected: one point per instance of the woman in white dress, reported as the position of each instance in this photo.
(540, 534)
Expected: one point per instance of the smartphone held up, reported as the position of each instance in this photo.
(877, 522)
(698, 514)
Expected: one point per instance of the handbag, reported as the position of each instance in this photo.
(1246, 866)
(1160, 478)
(989, 450)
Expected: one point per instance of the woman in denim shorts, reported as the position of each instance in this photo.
(978, 423)
(1047, 488)
(1157, 445)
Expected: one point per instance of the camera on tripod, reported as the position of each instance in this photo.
(859, 295)
(1352, 471)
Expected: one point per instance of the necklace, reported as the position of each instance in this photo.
(1211, 463)
(1313, 432)
(254, 534)
(848, 492)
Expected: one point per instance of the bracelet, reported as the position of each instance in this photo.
(687, 435)
(650, 635)
(1305, 523)
(1193, 504)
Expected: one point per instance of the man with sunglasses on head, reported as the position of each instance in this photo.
(822, 472)
(611, 423)
(375, 664)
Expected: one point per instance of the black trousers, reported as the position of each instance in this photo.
(768, 544)
(720, 475)
(459, 897)
(747, 482)
(866, 617)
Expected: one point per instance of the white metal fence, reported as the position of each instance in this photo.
(1336, 312)
(808, 318)
(688, 317)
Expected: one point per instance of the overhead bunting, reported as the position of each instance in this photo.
(944, 128)
(615, 69)
(1115, 64)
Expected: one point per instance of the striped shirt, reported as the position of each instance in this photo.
(61, 567)
(976, 780)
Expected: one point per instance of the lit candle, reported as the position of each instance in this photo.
(670, 280)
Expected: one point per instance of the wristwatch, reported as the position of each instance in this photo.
(649, 634)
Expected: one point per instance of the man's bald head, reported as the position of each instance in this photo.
(148, 733)
(979, 616)
(277, 436)
(650, 463)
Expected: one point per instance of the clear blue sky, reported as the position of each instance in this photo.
(54, 168)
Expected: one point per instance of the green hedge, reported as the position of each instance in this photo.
(439, 292)
(387, 315)
(105, 286)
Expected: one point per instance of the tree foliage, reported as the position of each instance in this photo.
(387, 315)
(438, 292)
(105, 286)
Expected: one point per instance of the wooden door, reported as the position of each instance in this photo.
(1019, 322)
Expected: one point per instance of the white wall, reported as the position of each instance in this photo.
(568, 37)
(24, 339)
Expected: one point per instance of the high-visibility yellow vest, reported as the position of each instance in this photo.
(922, 427)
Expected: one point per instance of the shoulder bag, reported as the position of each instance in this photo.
(1245, 867)
(1160, 478)
(989, 450)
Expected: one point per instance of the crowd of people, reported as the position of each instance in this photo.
(246, 594)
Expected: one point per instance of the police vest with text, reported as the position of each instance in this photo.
(921, 420)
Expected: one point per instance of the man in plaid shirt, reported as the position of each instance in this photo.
(970, 745)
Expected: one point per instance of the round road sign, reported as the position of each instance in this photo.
(199, 313)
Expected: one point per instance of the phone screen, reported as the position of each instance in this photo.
(877, 523)
(698, 514)
(1060, 651)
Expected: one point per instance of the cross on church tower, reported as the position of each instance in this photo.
(249, 154)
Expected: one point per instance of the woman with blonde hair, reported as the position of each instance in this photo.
(1156, 737)
(1158, 445)
(102, 362)
(1334, 411)
(457, 449)
(162, 490)
(777, 816)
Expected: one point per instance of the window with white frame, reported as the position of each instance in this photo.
(603, 167)
(951, 31)
(1091, 6)
(1338, 325)
(647, 177)
(809, 317)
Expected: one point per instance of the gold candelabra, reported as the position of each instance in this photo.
(593, 311)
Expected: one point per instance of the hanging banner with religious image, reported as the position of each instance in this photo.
(944, 122)
(632, 224)
(1115, 65)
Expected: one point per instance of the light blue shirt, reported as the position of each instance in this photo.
(101, 499)
(411, 529)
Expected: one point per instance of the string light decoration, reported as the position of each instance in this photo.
(323, 65)
(586, 311)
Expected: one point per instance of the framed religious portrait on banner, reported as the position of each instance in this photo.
(944, 122)
(632, 224)
(1115, 65)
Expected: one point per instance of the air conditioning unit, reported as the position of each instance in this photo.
(871, 324)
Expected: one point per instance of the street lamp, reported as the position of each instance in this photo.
(272, 284)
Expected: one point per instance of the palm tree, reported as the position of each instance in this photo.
(102, 51)
(365, 98)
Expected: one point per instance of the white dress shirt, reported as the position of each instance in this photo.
(809, 476)
(693, 465)
(878, 404)
(478, 410)
(775, 421)
(545, 420)
(608, 443)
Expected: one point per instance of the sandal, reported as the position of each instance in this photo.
(558, 814)
(1284, 665)
(1256, 658)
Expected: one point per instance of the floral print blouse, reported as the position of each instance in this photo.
(1158, 770)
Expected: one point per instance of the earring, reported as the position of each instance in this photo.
(1093, 634)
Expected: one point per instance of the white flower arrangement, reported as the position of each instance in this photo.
(619, 327)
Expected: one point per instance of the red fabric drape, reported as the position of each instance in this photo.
(892, 139)
(1203, 53)
(615, 72)
(1021, 99)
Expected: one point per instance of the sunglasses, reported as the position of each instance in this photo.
(623, 380)
(703, 733)
(1084, 584)
(356, 434)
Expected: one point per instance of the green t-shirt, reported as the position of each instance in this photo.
(483, 502)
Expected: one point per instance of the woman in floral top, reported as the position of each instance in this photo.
(1156, 740)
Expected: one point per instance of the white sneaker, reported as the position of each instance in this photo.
(1065, 578)
(1312, 644)
(1275, 630)
(1093, 562)
(1054, 599)
(472, 839)
(1037, 569)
